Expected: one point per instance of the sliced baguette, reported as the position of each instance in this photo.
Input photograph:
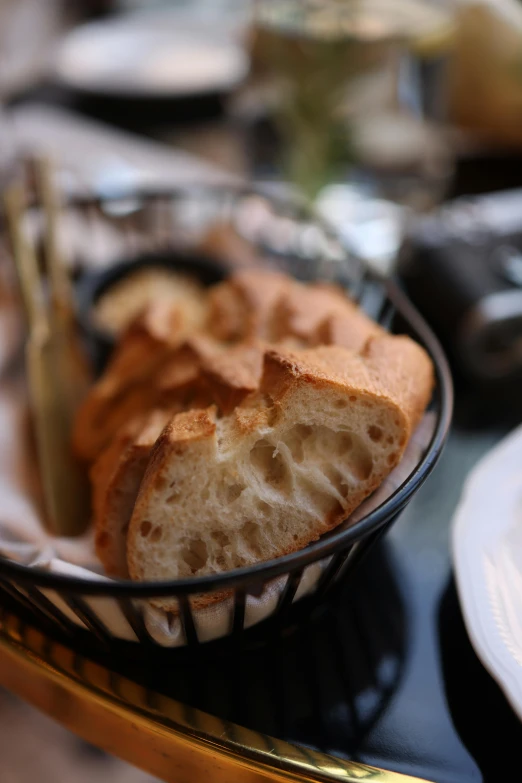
(116, 479)
(287, 465)
(117, 473)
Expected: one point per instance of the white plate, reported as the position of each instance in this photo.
(137, 56)
(487, 555)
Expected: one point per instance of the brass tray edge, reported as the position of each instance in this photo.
(166, 738)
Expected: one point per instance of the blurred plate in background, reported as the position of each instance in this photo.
(156, 56)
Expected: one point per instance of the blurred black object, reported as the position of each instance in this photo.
(142, 114)
(462, 267)
(92, 9)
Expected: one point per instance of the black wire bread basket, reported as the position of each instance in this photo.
(217, 228)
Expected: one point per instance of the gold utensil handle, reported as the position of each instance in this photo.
(60, 286)
(64, 482)
(57, 372)
(73, 370)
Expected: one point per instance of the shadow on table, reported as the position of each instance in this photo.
(478, 706)
(323, 683)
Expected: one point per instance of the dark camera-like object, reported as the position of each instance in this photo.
(462, 266)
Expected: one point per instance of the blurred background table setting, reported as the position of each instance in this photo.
(397, 125)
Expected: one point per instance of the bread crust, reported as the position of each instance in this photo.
(406, 371)
(304, 308)
(352, 330)
(116, 478)
(141, 351)
(243, 307)
(234, 374)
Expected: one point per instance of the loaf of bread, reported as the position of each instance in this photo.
(288, 464)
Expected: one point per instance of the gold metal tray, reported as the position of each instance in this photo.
(166, 738)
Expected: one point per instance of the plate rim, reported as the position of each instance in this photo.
(474, 598)
(107, 88)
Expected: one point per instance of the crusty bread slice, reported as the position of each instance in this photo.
(171, 379)
(116, 474)
(267, 305)
(287, 465)
(232, 374)
(102, 469)
(141, 351)
(243, 307)
(116, 480)
(158, 330)
(349, 330)
(125, 299)
(95, 428)
(320, 314)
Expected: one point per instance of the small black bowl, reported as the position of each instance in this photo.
(90, 286)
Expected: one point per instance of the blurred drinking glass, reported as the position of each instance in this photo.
(358, 91)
